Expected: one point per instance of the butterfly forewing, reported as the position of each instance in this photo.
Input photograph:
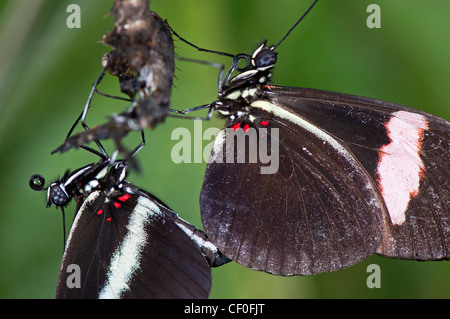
(128, 247)
(319, 212)
(405, 151)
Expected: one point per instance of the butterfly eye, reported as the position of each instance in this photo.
(57, 195)
(265, 58)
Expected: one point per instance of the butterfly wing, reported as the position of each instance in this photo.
(318, 212)
(126, 246)
(405, 151)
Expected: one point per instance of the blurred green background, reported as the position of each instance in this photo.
(46, 72)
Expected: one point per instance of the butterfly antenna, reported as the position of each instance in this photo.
(295, 24)
(197, 47)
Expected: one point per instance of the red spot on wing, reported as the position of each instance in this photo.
(124, 198)
(117, 205)
(236, 126)
(246, 127)
(265, 123)
(100, 211)
(108, 220)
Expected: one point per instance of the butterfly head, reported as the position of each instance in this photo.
(255, 65)
(57, 195)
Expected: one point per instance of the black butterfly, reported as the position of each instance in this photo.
(347, 176)
(126, 243)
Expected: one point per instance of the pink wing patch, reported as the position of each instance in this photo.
(400, 167)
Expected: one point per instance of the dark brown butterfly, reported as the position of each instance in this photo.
(340, 177)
